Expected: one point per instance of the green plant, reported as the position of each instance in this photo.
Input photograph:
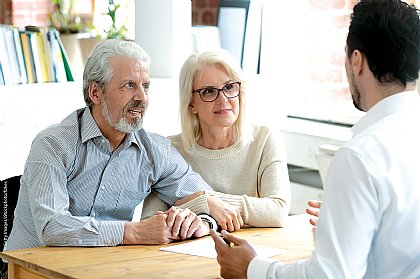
(114, 32)
(62, 17)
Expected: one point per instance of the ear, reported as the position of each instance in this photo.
(95, 92)
(192, 108)
(357, 60)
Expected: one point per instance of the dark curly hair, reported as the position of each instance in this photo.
(387, 32)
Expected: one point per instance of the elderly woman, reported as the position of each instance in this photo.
(245, 164)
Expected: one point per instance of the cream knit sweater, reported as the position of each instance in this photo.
(253, 177)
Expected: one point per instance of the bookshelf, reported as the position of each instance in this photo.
(32, 55)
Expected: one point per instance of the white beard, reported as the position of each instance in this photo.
(122, 125)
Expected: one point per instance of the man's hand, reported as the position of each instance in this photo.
(227, 216)
(153, 230)
(313, 209)
(184, 223)
(233, 261)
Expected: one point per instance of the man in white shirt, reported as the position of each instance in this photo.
(369, 222)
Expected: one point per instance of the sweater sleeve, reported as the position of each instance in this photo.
(270, 206)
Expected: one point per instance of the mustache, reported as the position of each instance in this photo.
(136, 105)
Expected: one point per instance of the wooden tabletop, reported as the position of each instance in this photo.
(146, 261)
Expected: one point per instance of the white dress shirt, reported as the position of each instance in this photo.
(369, 224)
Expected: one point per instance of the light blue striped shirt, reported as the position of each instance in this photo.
(76, 192)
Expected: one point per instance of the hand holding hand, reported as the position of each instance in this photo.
(313, 209)
(153, 230)
(233, 261)
(227, 216)
(184, 223)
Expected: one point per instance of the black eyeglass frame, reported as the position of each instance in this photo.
(218, 91)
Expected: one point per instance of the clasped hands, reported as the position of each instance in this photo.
(227, 216)
(165, 227)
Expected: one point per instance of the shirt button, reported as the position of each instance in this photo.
(103, 187)
(80, 241)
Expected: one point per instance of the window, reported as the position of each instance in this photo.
(303, 52)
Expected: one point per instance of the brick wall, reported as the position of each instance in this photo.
(204, 12)
(30, 12)
(327, 31)
(25, 12)
(5, 11)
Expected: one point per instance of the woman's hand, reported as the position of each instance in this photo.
(227, 216)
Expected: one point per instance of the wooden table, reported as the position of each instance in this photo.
(146, 261)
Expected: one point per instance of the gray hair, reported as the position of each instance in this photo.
(98, 69)
(190, 124)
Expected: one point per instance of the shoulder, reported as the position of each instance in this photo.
(153, 138)
(266, 134)
(58, 140)
(372, 138)
(153, 142)
(261, 131)
(65, 132)
(268, 141)
(176, 140)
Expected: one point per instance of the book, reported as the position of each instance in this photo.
(12, 54)
(43, 53)
(19, 51)
(47, 54)
(27, 54)
(4, 58)
(36, 55)
(56, 57)
(66, 62)
(32, 54)
(1, 76)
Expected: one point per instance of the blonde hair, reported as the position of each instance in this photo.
(190, 124)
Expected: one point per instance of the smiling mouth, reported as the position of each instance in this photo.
(222, 111)
(135, 111)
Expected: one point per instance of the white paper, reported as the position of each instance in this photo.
(205, 248)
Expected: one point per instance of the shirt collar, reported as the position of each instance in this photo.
(388, 105)
(89, 128)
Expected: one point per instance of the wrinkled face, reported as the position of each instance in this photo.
(223, 112)
(125, 98)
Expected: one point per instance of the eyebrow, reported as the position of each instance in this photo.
(212, 86)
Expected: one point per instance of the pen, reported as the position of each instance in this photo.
(231, 244)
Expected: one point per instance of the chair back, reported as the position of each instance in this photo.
(10, 193)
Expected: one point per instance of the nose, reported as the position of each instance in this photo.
(221, 97)
(139, 93)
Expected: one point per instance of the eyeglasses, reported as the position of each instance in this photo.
(210, 94)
